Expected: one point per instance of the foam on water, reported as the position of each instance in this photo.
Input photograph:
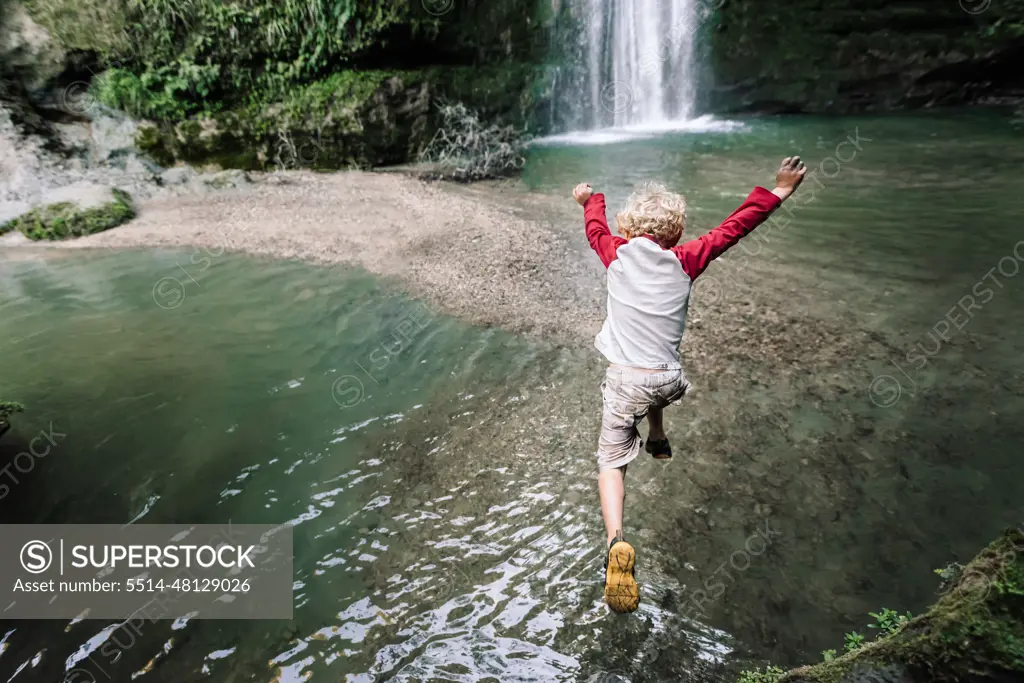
(608, 136)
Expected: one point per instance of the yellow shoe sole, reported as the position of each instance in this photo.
(620, 589)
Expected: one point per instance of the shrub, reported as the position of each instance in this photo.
(65, 219)
(168, 93)
(465, 149)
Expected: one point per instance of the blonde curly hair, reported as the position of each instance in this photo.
(653, 210)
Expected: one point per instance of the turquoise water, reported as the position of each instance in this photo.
(439, 477)
(325, 409)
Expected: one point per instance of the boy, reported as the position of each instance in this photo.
(649, 283)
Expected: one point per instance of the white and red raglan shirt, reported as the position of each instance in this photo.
(649, 286)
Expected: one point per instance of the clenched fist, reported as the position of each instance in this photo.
(581, 193)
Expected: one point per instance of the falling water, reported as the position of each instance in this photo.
(634, 63)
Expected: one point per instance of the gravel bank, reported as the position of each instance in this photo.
(474, 252)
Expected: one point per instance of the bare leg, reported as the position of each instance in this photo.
(654, 420)
(621, 591)
(612, 486)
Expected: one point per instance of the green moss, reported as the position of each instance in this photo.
(100, 26)
(8, 408)
(189, 131)
(337, 98)
(65, 220)
(150, 139)
(351, 118)
(771, 674)
(506, 93)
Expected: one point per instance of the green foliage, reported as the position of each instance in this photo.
(771, 674)
(255, 84)
(168, 59)
(149, 140)
(1009, 24)
(852, 641)
(889, 621)
(165, 93)
(345, 120)
(335, 100)
(65, 220)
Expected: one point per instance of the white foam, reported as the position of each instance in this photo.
(607, 136)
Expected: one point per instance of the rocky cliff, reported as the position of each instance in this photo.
(844, 56)
(323, 84)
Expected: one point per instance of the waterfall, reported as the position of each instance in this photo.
(635, 62)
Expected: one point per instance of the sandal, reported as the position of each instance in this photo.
(621, 591)
(661, 450)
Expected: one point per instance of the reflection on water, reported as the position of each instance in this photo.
(439, 478)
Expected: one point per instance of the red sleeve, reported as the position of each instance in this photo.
(696, 255)
(600, 237)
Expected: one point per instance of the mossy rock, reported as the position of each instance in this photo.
(973, 634)
(64, 220)
(8, 408)
(351, 119)
(150, 140)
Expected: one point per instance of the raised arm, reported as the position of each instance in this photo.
(696, 255)
(600, 237)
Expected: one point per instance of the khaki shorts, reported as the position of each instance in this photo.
(629, 394)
